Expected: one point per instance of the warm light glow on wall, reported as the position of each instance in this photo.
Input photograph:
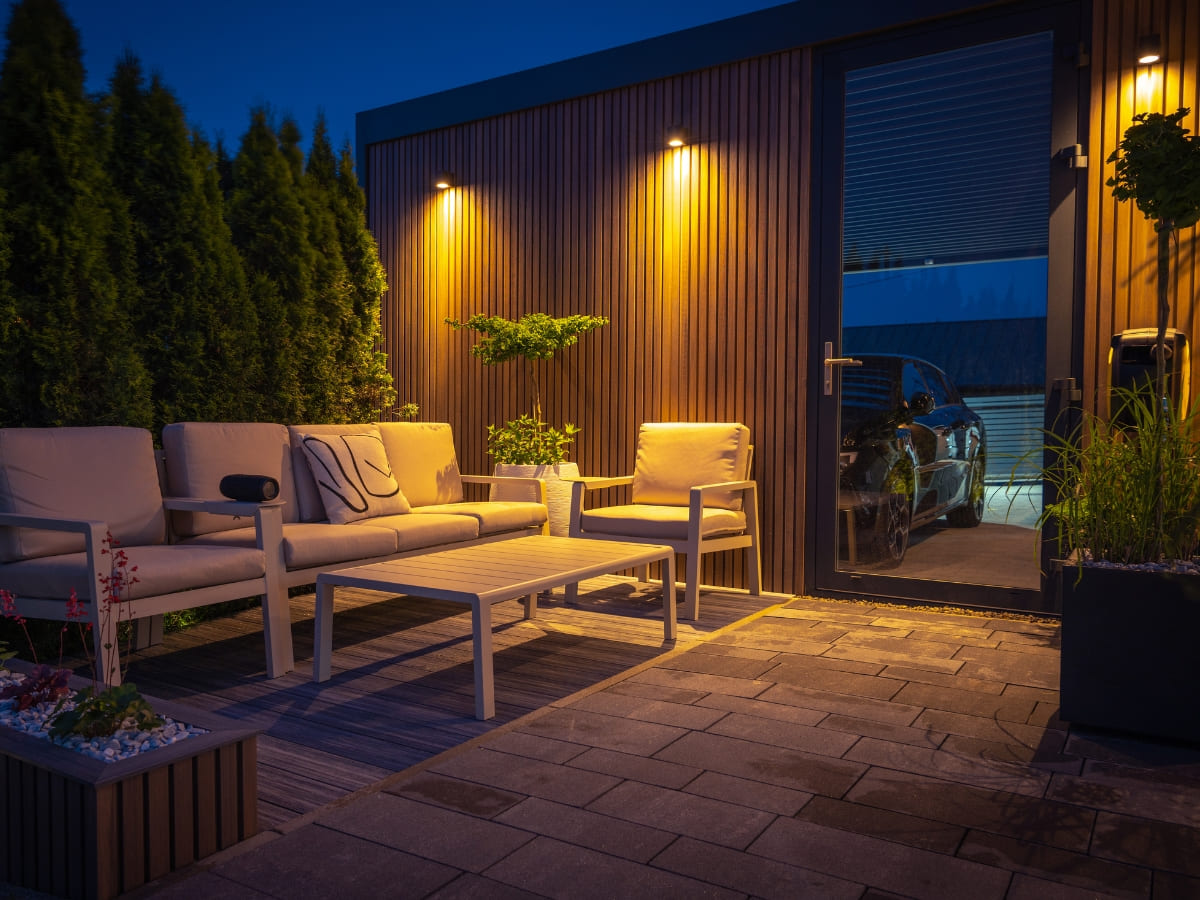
(1148, 88)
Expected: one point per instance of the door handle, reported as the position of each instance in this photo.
(830, 362)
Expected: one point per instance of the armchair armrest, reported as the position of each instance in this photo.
(52, 523)
(584, 483)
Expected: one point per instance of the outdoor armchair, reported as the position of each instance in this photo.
(691, 490)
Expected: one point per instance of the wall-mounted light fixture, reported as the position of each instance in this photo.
(443, 181)
(677, 136)
(1149, 49)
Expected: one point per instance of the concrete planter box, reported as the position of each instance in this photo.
(558, 491)
(1128, 651)
(78, 827)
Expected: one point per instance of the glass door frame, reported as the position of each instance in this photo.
(1064, 307)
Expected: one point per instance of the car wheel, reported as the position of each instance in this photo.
(970, 513)
(893, 522)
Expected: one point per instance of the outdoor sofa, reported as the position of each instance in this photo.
(62, 490)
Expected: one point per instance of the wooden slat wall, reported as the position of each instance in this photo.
(698, 255)
(1120, 252)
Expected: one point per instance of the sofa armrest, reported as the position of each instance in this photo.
(514, 480)
(234, 508)
(52, 523)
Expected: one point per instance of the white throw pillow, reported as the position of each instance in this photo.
(353, 475)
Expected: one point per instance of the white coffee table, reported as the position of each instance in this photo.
(491, 573)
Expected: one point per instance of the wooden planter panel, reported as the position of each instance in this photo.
(77, 827)
(1128, 651)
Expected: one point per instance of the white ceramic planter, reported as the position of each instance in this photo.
(558, 492)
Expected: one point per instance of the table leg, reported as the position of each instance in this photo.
(531, 606)
(571, 592)
(668, 573)
(323, 633)
(481, 637)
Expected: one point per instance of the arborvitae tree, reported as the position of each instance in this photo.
(370, 383)
(71, 356)
(270, 230)
(193, 290)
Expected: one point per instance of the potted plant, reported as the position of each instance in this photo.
(528, 446)
(1127, 507)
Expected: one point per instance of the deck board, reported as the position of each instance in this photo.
(402, 688)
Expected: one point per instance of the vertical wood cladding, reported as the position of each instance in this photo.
(1120, 249)
(698, 255)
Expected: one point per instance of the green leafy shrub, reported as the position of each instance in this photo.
(527, 442)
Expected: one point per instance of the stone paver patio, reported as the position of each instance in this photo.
(819, 749)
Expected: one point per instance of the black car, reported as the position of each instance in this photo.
(911, 452)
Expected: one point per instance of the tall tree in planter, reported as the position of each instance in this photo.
(270, 229)
(194, 317)
(71, 354)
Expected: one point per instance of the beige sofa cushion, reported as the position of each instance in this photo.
(673, 457)
(309, 544)
(161, 569)
(352, 474)
(200, 454)
(493, 516)
(667, 523)
(423, 459)
(105, 473)
(415, 532)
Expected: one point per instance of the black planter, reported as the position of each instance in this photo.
(1129, 651)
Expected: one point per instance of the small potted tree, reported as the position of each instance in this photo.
(1127, 512)
(528, 446)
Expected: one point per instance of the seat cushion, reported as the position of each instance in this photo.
(309, 544)
(352, 474)
(104, 473)
(423, 459)
(200, 454)
(673, 457)
(161, 569)
(494, 516)
(413, 532)
(645, 520)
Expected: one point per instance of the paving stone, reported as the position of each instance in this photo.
(991, 729)
(761, 708)
(653, 691)
(1032, 818)
(672, 678)
(469, 886)
(1026, 887)
(1036, 694)
(1011, 666)
(789, 671)
(636, 768)
(1009, 709)
(429, 832)
(875, 822)
(1050, 629)
(823, 663)
(892, 640)
(1142, 842)
(802, 633)
(1063, 866)
(1134, 792)
(714, 648)
(844, 704)
(956, 637)
(567, 872)
(1113, 748)
(822, 613)
(755, 794)
(1172, 886)
(784, 734)
(963, 627)
(901, 734)
(950, 766)
(646, 710)
(941, 679)
(883, 864)
(870, 654)
(737, 667)
(758, 762)
(608, 834)
(532, 777)
(776, 643)
(1037, 647)
(611, 732)
(1046, 715)
(728, 824)
(202, 883)
(757, 876)
(454, 793)
(534, 746)
(1042, 758)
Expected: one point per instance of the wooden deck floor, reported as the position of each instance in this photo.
(402, 686)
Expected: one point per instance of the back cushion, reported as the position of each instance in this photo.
(353, 475)
(423, 459)
(105, 473)
(673, 457)
(200, 454)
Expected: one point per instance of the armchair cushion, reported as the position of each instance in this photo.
(161, 569)
(200, 454)
(423, 459)
(670, 523)
(673, 457)
(103, 473)
(353, 475)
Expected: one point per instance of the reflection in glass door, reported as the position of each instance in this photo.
(938, 366)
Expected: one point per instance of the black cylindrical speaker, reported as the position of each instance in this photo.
(250, 488)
